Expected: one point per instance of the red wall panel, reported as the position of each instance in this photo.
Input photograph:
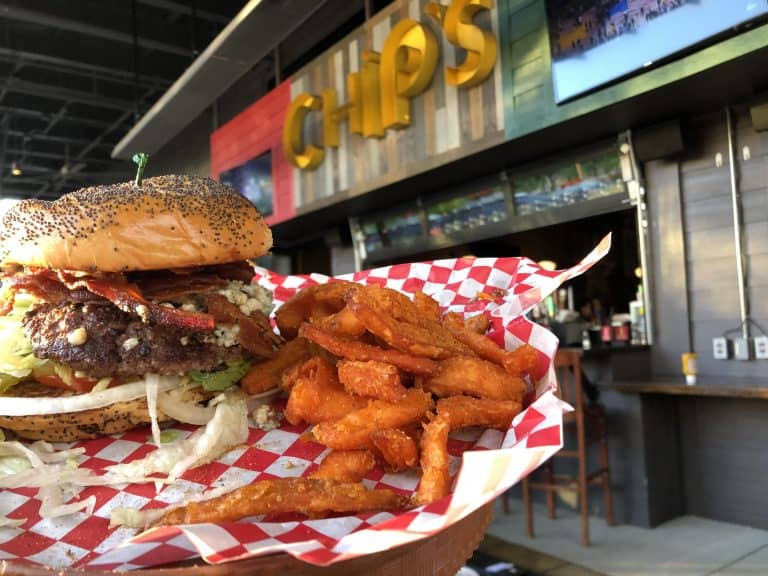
(256, 130)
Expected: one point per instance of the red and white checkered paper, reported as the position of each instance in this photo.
(485, 463)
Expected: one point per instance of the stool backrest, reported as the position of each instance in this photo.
(568, 370)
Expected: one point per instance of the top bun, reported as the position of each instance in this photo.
(168, 222)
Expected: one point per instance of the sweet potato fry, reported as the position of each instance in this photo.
(426, 306)
(464, 411)
(479, 323)
(345, 465)
(353, 431)
(522, 360)
(312, 302)
(392, 317)
(480, 344)
(397, 449)
(267, 375)
(343, 322)
(435, 475)
(311, 496)
(474, 377)
(355, 350)
(371, 379)
(318, 396)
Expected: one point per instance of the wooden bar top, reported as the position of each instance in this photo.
(672, 387)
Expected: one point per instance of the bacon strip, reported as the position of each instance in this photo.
(128, 298)
(62, 286)
(256, 335)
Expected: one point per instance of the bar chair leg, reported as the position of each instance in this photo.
(549, 471)
(606, 483)
(527, 504)
(583, 485)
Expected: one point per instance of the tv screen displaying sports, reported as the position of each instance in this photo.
(596, 42)
(253, 179)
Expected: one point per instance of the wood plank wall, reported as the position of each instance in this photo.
(447, 121)
(709, 239)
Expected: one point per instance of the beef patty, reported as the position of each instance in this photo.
(109, 348)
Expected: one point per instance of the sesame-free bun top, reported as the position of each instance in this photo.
(168, 222)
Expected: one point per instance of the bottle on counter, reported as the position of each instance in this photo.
(637, 317)
(690, 368)
(586, 343)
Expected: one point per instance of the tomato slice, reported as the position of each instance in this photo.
(77, 384)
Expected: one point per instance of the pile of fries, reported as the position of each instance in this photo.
(383, 380)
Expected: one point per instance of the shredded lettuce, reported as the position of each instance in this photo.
(166, 436)
(221, 379)
(16, 358)
(228, 428)
(13, 465)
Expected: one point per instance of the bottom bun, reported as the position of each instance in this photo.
(85, 425)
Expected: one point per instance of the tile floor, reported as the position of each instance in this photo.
(686, 546)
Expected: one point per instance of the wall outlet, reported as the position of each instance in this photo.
(761, 347)
(742, 348)
(720, 348)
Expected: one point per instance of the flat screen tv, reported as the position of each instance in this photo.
(253, 179)
(596, 42)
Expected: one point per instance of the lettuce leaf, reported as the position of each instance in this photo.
(16, 358)
(221, 379)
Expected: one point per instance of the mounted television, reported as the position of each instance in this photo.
(596, 42)
(253, 179)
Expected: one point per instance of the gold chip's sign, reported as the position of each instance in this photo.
(380, 93)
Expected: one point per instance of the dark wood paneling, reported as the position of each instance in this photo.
(709, 235)
(663, 474)
(669, 269)
(724, 459)
(627, 457)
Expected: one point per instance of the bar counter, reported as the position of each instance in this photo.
(702, 388)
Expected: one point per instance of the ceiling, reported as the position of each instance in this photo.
(75, 76)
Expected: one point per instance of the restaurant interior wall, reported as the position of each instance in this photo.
(529, 93)
(696, 279)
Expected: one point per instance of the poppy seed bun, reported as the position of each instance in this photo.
(71, 426)
(168, 222)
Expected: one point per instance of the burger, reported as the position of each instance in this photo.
(116, 296)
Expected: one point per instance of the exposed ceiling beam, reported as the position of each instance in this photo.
(54, 156)
(245, 41)
(45, 61)
(27, 167)
(12, 188)
(32, 135)
(19, 14)
(179, 8)
(46, 116)
(3, 150)
(67, 94)
(52, 121)
(57, 183)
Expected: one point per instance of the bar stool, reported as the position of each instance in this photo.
(590, 428)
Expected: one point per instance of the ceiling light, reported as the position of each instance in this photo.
(15, 169)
